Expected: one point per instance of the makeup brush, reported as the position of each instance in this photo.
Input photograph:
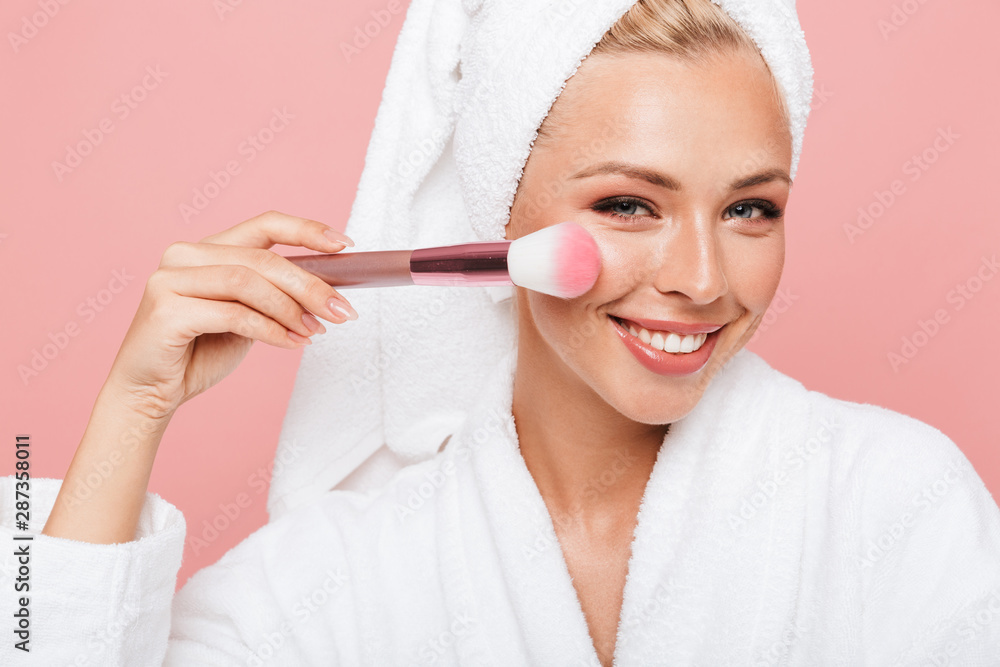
(561, 260)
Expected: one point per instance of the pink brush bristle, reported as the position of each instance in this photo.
(577, 260)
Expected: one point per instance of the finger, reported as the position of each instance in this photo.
(267, 229)
(310, 291)
(205, 316)
(242, 284)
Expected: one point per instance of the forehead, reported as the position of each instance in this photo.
(656, 106)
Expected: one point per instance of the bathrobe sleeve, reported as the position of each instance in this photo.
(269, 600)
(87, 604)
(929, 553)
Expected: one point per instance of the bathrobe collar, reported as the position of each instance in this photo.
(692, 563)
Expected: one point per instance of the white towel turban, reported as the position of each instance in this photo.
(469, 84)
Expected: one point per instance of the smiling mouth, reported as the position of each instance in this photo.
(664, 341)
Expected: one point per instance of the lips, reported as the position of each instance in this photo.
(668, 363)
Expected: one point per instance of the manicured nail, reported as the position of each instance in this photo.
(312, 323)
(297, 339)
(338, 306)
(336, 237)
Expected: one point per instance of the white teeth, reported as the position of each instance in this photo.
(668, 341)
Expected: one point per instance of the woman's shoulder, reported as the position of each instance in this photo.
(339, 558)
(880, 428)
(344, 520)
(853, 429)
(375, 541)
(902, 461)
(876, 458)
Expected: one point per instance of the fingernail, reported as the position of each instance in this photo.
(312, 323)
(342, 307)
(299, 340)
(337, 237)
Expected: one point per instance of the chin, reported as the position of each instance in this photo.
(656, 412)
(645, 400)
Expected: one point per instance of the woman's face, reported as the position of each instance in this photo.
(680, 172)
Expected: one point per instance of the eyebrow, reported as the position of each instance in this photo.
(664, 181)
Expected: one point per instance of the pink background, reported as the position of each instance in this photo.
(881, 99)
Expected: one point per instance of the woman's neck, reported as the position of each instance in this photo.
(590, 462)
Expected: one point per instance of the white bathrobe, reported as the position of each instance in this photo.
(778, 527)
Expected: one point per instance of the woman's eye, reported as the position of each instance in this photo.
(745, 210)
(624, 207)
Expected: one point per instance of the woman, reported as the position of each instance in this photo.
(604, 501)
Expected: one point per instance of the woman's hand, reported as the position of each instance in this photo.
(201, 311)
(208, 301)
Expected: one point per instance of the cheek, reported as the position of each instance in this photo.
(561, 323)
(754, 271)
(628, 260)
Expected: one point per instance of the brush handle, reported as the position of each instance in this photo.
(468, 264)
(378, 268)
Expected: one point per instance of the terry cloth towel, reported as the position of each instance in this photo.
(779, 526)
(468, 86)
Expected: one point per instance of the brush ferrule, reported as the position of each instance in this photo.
(468, 264)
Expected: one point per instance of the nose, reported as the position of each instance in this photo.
(691, 263)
